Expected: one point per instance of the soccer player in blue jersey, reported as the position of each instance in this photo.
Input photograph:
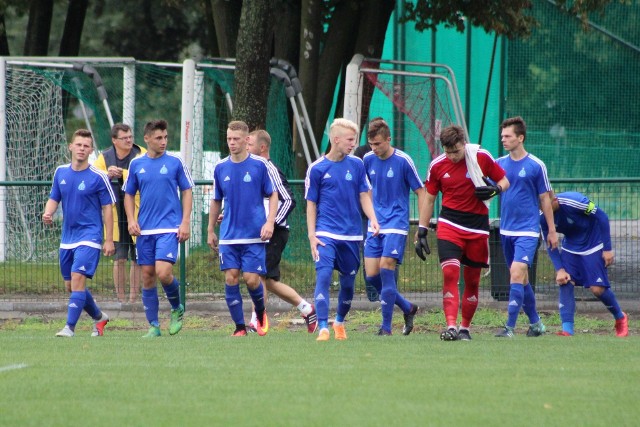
(259, 144)
(242, 181)
(336, 187)
(530, 192)
(87, 199)
(392, 174)
(586, 253)
(163, 221)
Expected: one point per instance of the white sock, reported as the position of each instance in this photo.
(254, 318)
(305, 308)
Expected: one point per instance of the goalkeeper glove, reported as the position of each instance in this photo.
(488, 191)
(421, 244)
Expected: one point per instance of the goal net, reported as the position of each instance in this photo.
(416, 99)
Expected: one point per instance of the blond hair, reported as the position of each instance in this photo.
(343, 124)
(238, 125)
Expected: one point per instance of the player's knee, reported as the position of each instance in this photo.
(597, 290)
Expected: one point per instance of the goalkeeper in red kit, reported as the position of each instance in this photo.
(463, 223)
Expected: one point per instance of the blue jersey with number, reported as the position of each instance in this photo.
(83, 194)
(158, 180)
(391, 179)
(520, 203)
(242, 187)
(335, 187)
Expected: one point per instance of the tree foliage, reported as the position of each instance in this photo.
(512, 19)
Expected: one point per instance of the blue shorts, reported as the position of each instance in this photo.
(340, 255)
(83, 260)
(385, 245)
(249, 258)
(519, 248)
(586, 270)
(157, 247)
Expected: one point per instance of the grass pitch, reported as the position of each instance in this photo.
(204, 377)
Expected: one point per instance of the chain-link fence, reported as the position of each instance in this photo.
(422, 281)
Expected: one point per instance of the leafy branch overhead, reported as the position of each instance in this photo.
(512, 19)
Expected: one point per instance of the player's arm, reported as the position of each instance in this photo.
(49, 209)
(130, 209)
(602, 221)
(367, 208)
(108, 247)
(214, 210)
(425, 210)
(267, 229)
(184, 231)
(547, 211)
(312, 215)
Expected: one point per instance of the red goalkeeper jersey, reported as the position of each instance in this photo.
(460, 206)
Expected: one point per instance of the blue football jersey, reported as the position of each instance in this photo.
(159, 181)
(520, 203)
(242, 187)
(584, 225)
(335, 187)
(83, 194)
(391, 179)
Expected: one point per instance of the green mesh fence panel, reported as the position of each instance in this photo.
(578, 92)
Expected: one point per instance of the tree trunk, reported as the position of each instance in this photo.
(226, 17)
(211, 47)
(337, 51)
(372, 29)
(286, 32)
(252, 64)
(4, 43)
(37, 41)
(70, 43)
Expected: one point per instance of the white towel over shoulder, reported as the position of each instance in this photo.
(475, 173)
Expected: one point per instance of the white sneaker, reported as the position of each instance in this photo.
(98, 325)
(65, 332)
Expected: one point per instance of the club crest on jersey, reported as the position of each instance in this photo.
(247, 177)
(164, 170)
(522, 173)
(81, 187)
(348, 176)
(390, 173)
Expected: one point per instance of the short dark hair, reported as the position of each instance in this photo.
(519, 126)
(84, 133)
(119, 127)
(155, 125)
(452, 135)
(378, 126)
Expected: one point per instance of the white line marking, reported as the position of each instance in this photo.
(12, 367)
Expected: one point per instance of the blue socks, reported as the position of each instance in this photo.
(90, 306)
(234, 302)
(321, 295)
(608, 298)
(567, 307)
(345, 295)
(77, 301)
(257, 296)
(516, 297)
(529, 304)
(151, 305)
(172, 290)
(387, 297)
